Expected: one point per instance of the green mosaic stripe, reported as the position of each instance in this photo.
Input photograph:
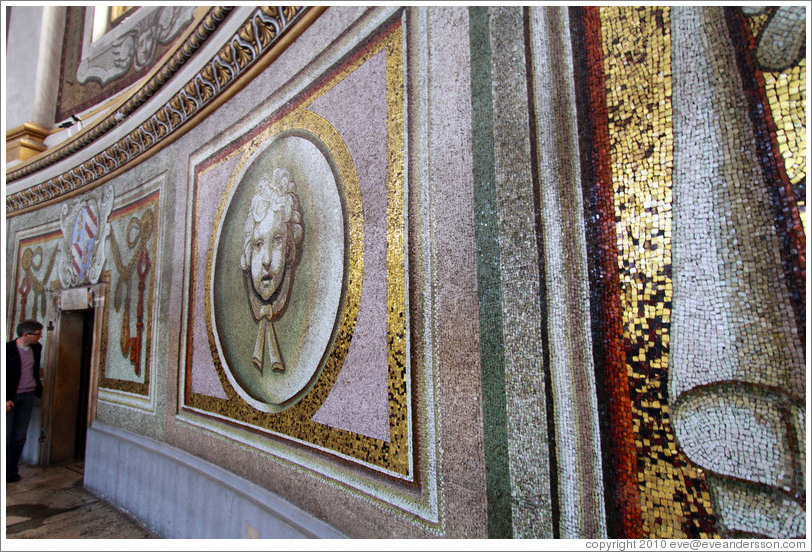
(500, 523)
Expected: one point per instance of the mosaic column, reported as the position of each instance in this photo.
(518, 448)
(736, 383)
(565, 272)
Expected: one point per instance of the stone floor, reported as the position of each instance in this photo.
(49, 502)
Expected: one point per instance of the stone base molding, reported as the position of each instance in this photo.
(179, 496)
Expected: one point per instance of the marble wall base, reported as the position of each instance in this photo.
(177, 495)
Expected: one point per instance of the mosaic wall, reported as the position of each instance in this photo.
(641, 271)
(315, 349)
(35, 255)
(313, 354)
(128, 314)
(98, 239)
(705, 264)
(694, 204)
(641, 154)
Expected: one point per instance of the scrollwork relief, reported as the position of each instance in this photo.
(135, 49)
(261, 31)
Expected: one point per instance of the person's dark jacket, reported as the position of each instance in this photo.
(13, 365)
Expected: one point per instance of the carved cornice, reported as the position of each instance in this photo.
(206, 27)
(218, 80)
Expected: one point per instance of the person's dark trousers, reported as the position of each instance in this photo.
(16, 429)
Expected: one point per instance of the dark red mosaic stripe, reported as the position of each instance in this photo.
(620, 454)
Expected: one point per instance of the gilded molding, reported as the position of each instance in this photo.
(255, 40)
(25, 141)
(27, 128)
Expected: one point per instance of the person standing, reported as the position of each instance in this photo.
(22, 384)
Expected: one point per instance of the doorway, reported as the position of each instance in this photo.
(71, 386)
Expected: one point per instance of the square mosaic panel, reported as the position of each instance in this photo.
(296, 298)
(36, 254)
(128, 312)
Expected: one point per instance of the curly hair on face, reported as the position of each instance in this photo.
(277, 195)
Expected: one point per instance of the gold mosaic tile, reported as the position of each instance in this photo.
(786, 93)
(637, 50)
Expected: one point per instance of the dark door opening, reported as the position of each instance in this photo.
(71, 386)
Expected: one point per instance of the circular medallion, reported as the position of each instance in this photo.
(278, 269)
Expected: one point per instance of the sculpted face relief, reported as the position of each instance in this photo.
(281, 231)
(268, 245)
(273, 235)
